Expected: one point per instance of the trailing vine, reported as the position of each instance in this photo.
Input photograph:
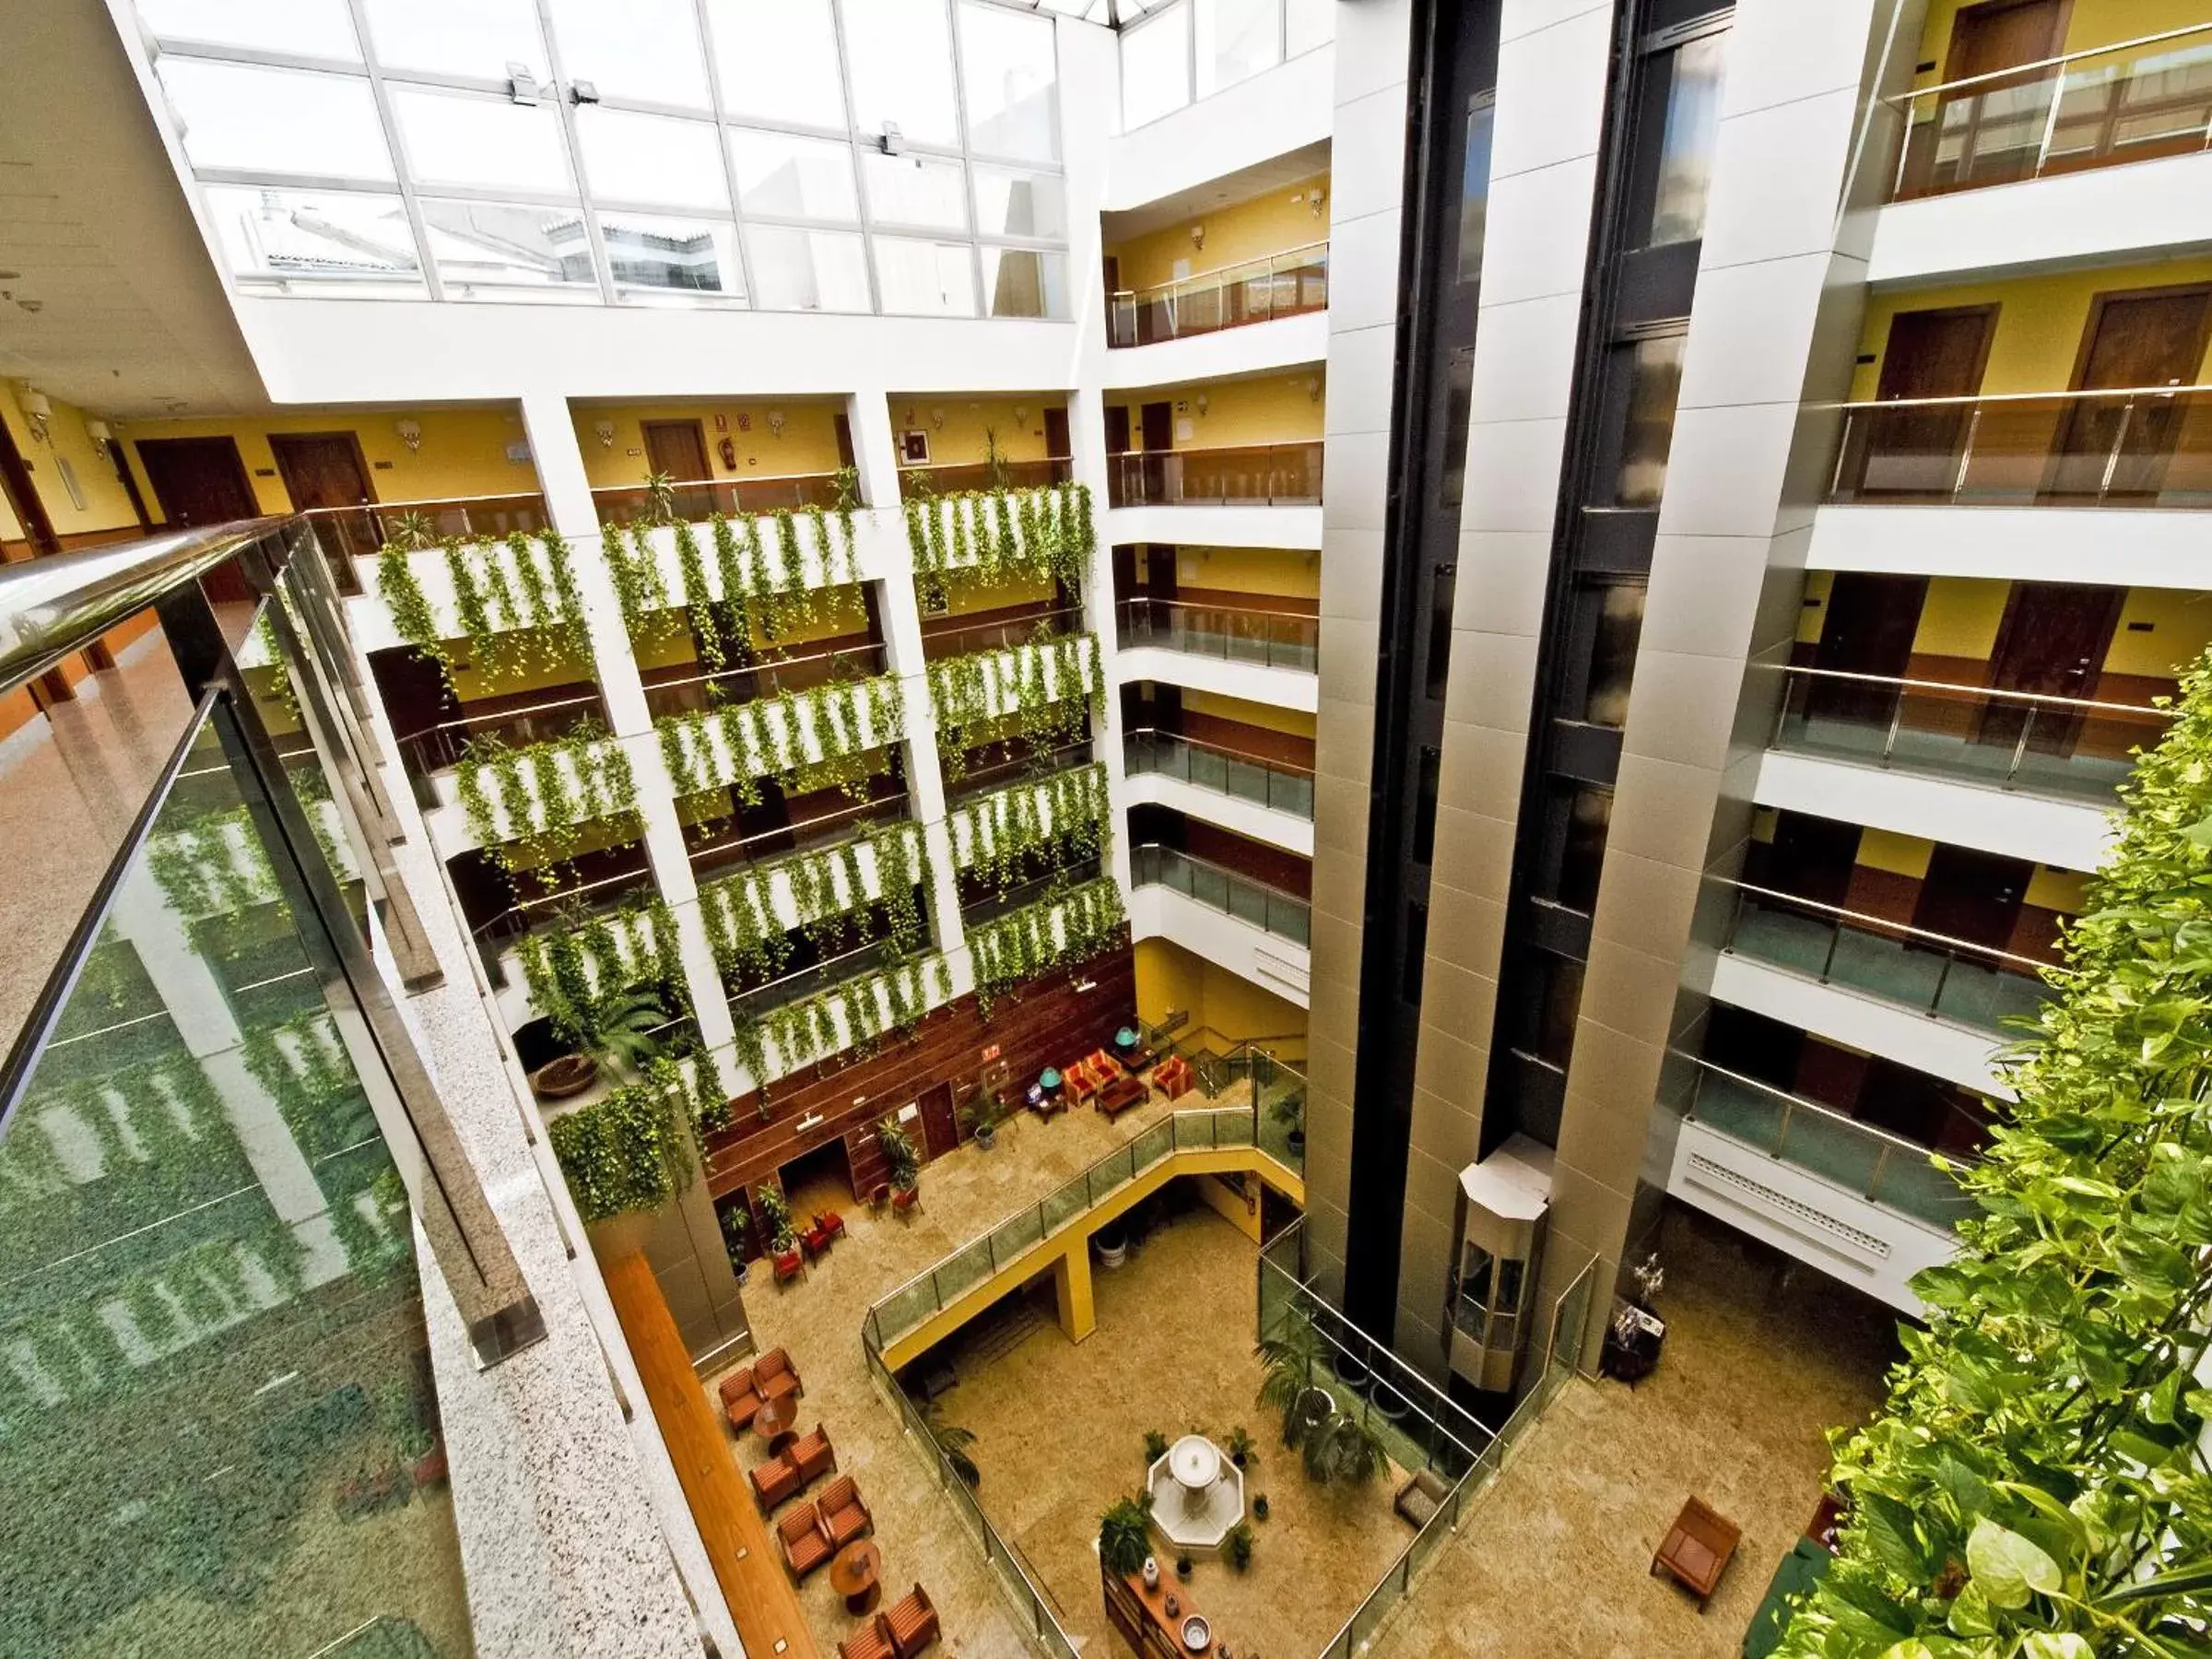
(1040, 691)
(856, 1014)
(1057, 931)
(629, 1152)
(1017, 833)
(831, 891)
(214, 865)
(836, 736)
(303, 1065)
(517, 602)
(570, 969)
(529, 808)
(757, 576)
(2036, 1483)
(984, 538)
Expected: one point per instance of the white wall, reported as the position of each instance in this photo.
(2119, 546)
(1229, 525)
(2018, 825)
(1278, 111)
(1255, 349)
(1279, 688)
(1275, 964)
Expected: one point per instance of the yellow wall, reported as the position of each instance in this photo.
(2180, 627)
(562, 669)
(1170, 979)
(1294, 722)
(10, 529)
(463, 452)
(960, 439)
(1001, 595)
(1250, 571)
(1812, 618)
(2066, 890)
(1961, 617)
(106, 506)
(2093, 23)
(1275, 409)
(2040, 322)
(1899, 854)
(1274, 222)
(808, 443)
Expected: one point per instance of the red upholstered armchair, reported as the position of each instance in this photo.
(812, 1455)
(805, 1545)
(740, 1398)
(844, 1516)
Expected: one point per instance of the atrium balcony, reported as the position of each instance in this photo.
(1264, 649)
(1269, 312)
(1228, 898)
(1265, 798)
(1233, 463)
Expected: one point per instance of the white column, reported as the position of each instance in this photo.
(1086, 424)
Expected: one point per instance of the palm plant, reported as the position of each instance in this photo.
(952, 1442)
(1290, 1358)
(1125, 1537)
(620, 1027)
(660, 498)
(1342, 1447)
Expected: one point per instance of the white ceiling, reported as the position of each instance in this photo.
(1201, 199)
(108, 299)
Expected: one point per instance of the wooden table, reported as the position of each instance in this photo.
(777, 1414)
(857, 1575)
(1140, 1616)
(1697, 1549)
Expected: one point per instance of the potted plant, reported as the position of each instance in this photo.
(899, 1153)
(1125, 1537)
(775, 1218)
(737, 1230)
(984, 1114)
(1111, 1243)
(615, 1033)
(1241, 1451)
(1236, 1549)
(952, 1442)
(1182, 1567)
(1259, 1507)
(1290, 1112)
(1155, 1446)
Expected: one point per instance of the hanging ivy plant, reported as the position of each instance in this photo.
(756, 578)
(2036, 1484)
(629, 1152)
(856, 1015)
(1019, 834)
(529, 808)
(836, 736)
(1057, 931)
(516, 600)
(831, 893)
(1040, 691)
(572, 966)
(214, 865)
(985, 538)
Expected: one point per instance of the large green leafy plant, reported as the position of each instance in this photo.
(983, 539)
(532, 809)
(1058, 931)
(1038, 690)
(2036, 1484)
(837, 735)
(1017, 833)
(516, 603)
(629, 1152)
(761, 572)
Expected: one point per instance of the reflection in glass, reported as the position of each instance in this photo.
(1693, 125)
(1156, 67)
(1613, 653)
(914, 190)
(310, 28)
(924, 278)
(777, 60)
(1562, 995)
(642, 49)
(284, 120)
(327, 235)
(223, 1437)
(794, 178)
(505, 245)
(1236, 39)
(807, 270)
(1655, 381)
(900, 53)
(486, 142)
(1021, 203)
(1589, 817)
(1024, 282)
(1459, 407)
(458, 37)
(1475, 185)
(689, 255)
(1008, 68)
(634, 158)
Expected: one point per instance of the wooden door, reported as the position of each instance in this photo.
(1058, 444)
(1117, 428)
(198, 481)
(1812, 857)
(1984, 139)
(1998, 34)
(327, 470)
(1973, 895)
(1870, 629)
(31, 511)
(1156, 432)
(2051, 642)
(678, 450)
(940, 1127)
(843, 425)
(1914, 452)
(2116, 447)
(1160, 573)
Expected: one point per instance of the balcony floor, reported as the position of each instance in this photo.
(1763, 1355)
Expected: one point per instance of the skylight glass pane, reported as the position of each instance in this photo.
(1237, 39)
(1008, 71)
(458, 37)
(914, 190)
(1024, 282)
(901, 59)
(642, 49)
(275, 120)
(924, 279)
(674, 255)
(1156, 68)
(634, 158)
(311, 28)
(807, 270)
(500, 245)
(777, 60)
(326, 235)
(794, 178)
(454, 139)
(1021, 203)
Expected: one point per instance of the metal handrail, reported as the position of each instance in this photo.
(1220, 270)
(855, 813)
(1251, 759)
(1222, 448)
(1968, 691)
(1879, 924)
(52, 606)
(1872, 1131)
(768, 664)
(2019, 70)
(736, 479)
(1209, 605)
(523, 907)
(492, 716)
(1963, 400)
(453, 501)
(1208, 863)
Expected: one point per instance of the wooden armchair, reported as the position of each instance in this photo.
(1172, 1077)
(773, 1374)
(805, 1545)
(872, 1641)
(844, 1516)
(913, 1623)
(905, 1201)
(1082, 1081)
(740, 1398)
(788, 1264)
(812, 1456)
(773, 1481)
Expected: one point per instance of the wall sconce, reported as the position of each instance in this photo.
(1205, 403)
(1021, 415)
(605, 431)
(1312, 388)
(37, 411)
(775, 422)
(97, 430)
(936, 417)
(410, 434)
(1198, 236)
(1318, 200)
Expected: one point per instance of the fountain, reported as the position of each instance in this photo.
(1197, 1494)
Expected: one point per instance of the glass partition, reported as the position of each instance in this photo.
(1283, 914)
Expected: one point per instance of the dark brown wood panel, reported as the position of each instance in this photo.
(322, 469)
(1262, 742)
(1285, 605)
(1286, 871)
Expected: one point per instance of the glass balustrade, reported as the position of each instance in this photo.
(692, 500)
(1280, 913)
(2070, 748)
(1265, 475)
(538, 721)
(361, 532)
(1275, 784)
(1259, 290)
(1926, 974)
(1882, 1168)
(955, 477)
(1266, 639)
(2135, 101)
(2141, 447)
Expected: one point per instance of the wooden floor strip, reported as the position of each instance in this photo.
(762, 1601)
